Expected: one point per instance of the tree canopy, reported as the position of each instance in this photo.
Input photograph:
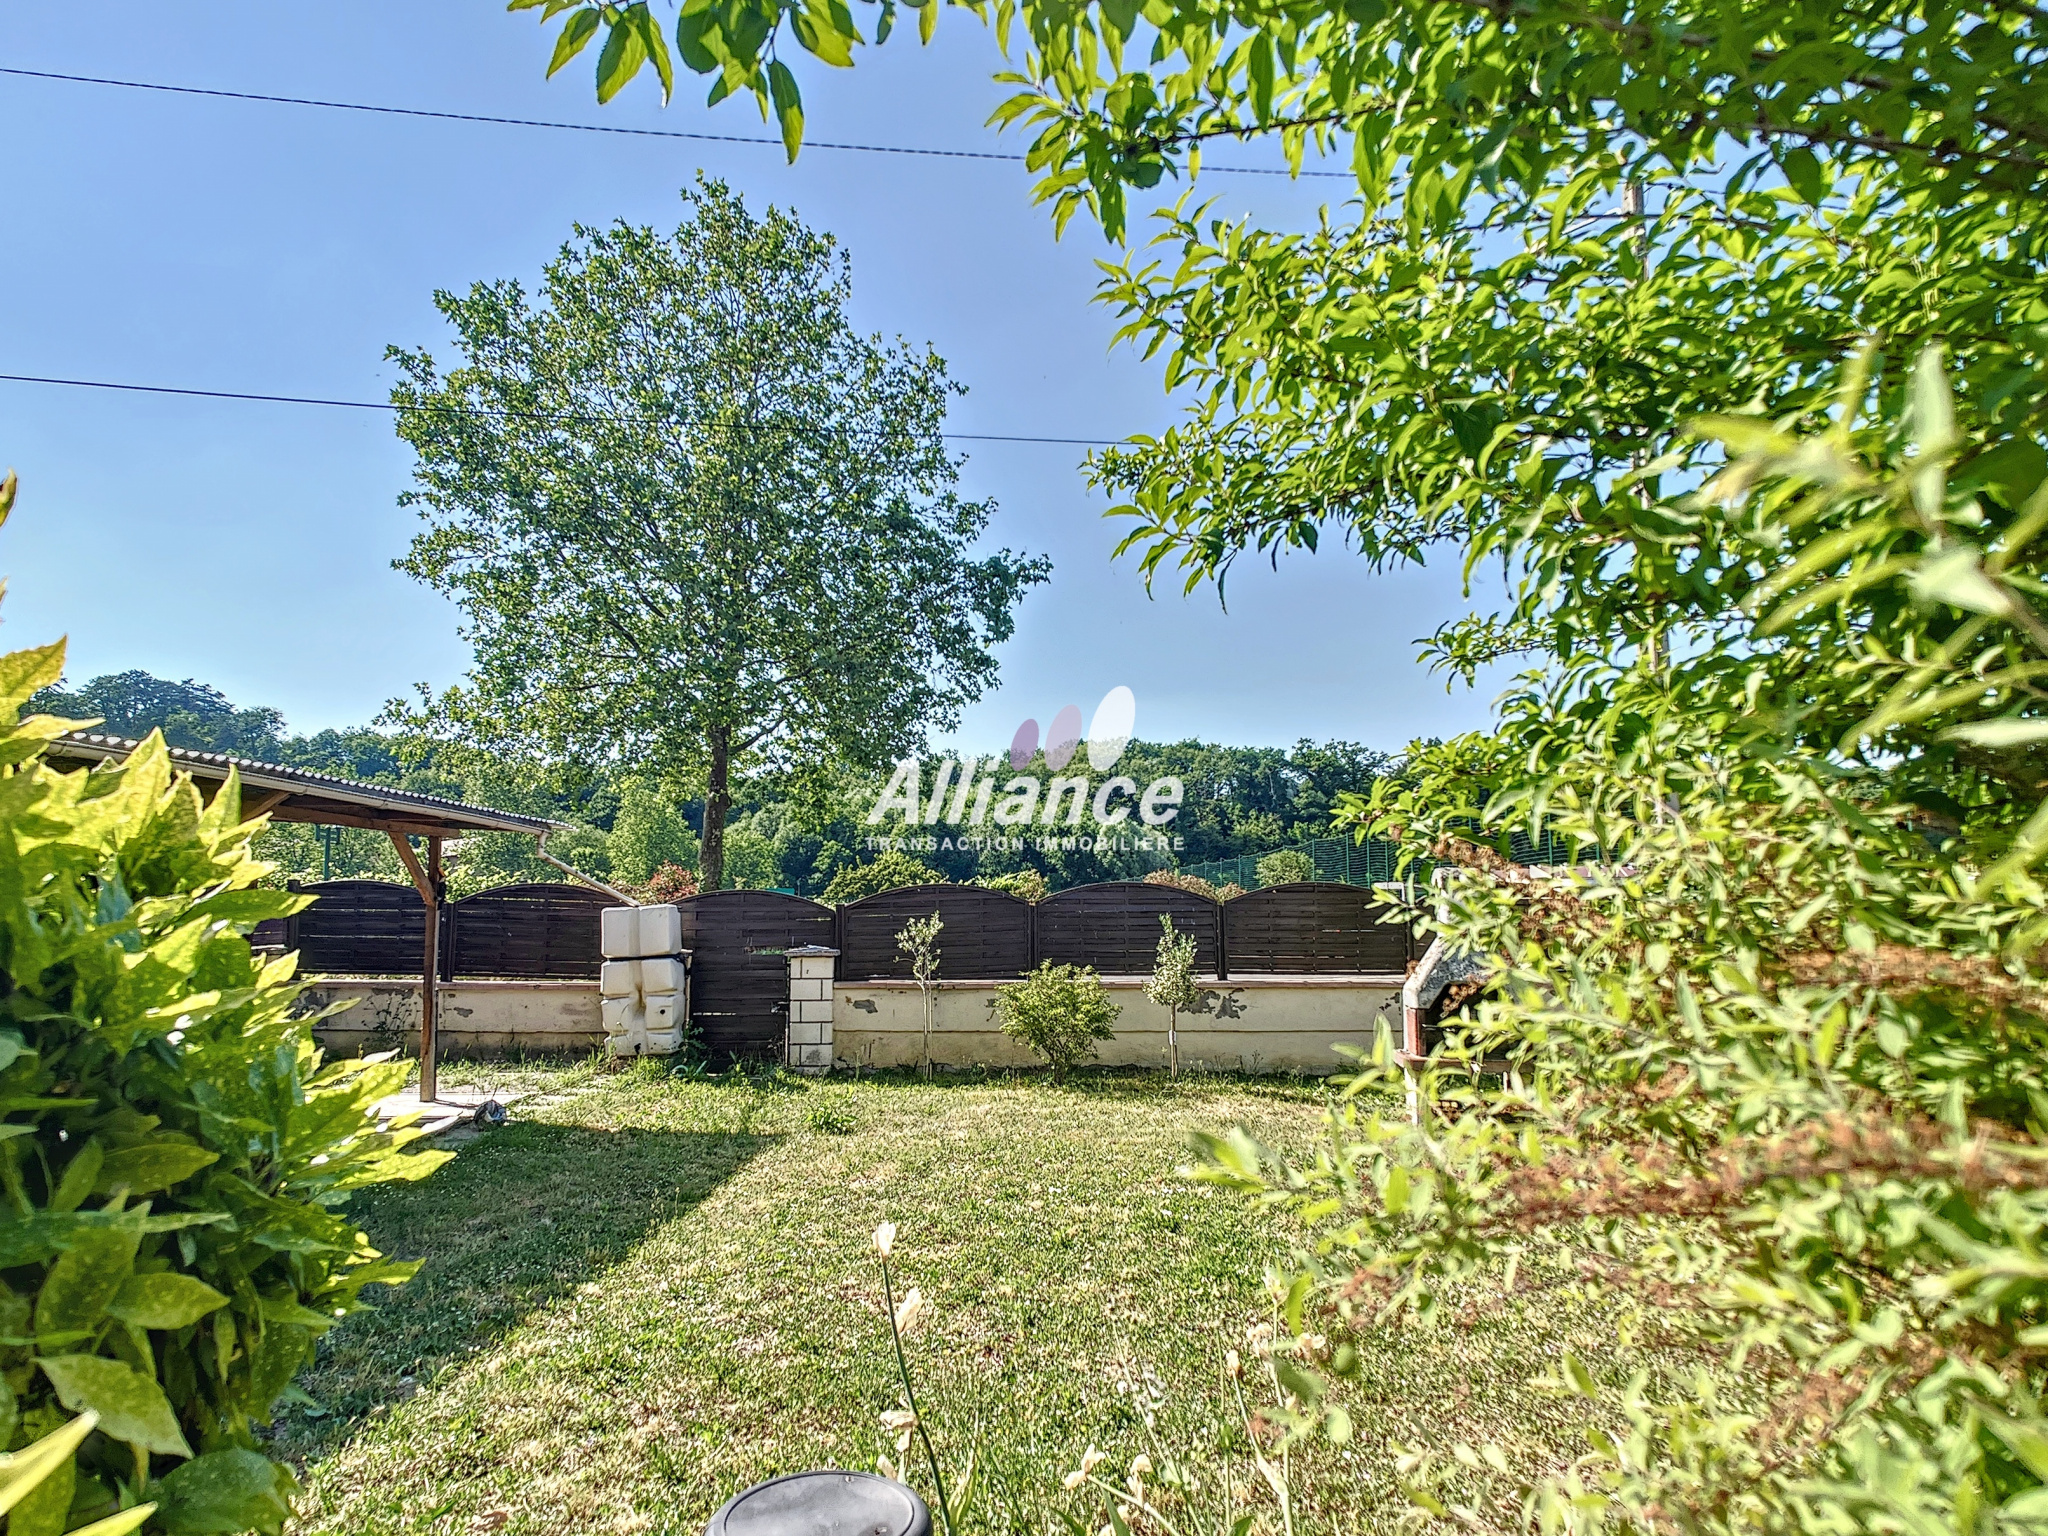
(693, 520)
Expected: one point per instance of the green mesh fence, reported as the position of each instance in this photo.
(1371, 862)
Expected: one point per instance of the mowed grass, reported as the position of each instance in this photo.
(649, 1292)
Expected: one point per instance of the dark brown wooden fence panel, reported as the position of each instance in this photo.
(1115, 926)
(541, 930)
(1315, 928)
(739, 978)
(987, 934)
(359, 928)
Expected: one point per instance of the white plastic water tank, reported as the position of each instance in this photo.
(634, 933)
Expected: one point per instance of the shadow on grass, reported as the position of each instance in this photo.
(520, 1217)
(1136, 1084)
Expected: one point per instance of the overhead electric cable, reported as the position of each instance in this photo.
(613, 128)
(469, 410)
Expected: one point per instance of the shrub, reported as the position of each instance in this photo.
(671, 883)
(1285, 866)
(1027, 883)
(1780, 1086)
(1059, 1012)
(885, 873)
(173, 1149)
(1181, 882)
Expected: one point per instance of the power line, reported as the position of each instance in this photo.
(613, 128)
(466, 410)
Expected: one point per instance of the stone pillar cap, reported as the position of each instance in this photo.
(809, 951)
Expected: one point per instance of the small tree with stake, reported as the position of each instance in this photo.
(920, 940)
(1172, 985)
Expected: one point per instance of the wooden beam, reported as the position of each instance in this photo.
(263, 804)
(411, 861)
(430, 1022)
(428, 879)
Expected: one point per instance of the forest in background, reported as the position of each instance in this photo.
(789, 832)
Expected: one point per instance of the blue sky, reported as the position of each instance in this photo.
(234, 246)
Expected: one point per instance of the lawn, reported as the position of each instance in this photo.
(650, 1291)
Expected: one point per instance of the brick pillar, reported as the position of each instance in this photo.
(810, 1007)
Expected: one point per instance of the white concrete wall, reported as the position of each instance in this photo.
(475, 1015)
(1259, 1024)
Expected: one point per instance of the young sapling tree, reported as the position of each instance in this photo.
(920, 941)
(1172, 985)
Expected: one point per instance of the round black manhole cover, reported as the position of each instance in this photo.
(824, 1504)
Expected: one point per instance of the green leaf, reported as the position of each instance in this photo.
(2027, 1441)
(625, 50)
(118, 1525)
(789, 109)
(1955, 576)
(1301, 1383)
(23, 1471)
(1803, 171)
(154, 1166)
(577, 32)
(656, 47)
(164, 1301)
(43, 1508)
(23, 672)
(80, 1174)
(223, 1493)
(1395, 1196)
(87, 1275)
(1577, 1377)
(1999, 733)
(131, 1406)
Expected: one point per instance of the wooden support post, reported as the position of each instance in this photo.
(431, 886)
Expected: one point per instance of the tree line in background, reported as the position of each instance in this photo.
(796, 832)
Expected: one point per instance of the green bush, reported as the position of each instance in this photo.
(172, 1149)
(1285, 867)
(892, 869)
(1027, 883)
(1059, 1012)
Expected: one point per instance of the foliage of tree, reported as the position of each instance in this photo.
(648, 830)
(1058, 1012)
(190, 714)
(1778, 1053)
(1284, 866)
(671, 883)
(1180, 881)
(174, 1152)
(890, 870)
(692, 518)
(1027, 883)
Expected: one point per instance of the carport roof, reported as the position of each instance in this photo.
(299, 794)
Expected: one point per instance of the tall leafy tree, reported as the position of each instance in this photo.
(693, 519)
